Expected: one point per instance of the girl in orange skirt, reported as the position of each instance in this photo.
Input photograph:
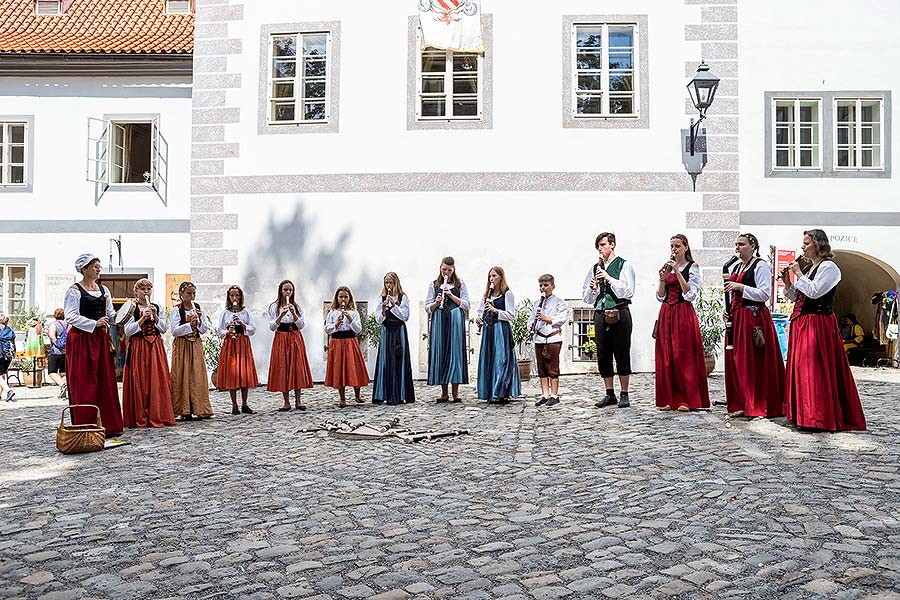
(146, 396)
(345, 365)
(237, 370)
(190, 387)
(288, 365)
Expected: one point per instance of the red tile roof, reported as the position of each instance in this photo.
(96, 26)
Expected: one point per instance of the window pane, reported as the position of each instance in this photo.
(784, 112)
(465, 62)
(432, 84)
(588, 36)
(465, 84)
(434, 107)
(314, 89)
(17, 154)
(284, 112)
(871, 111)
(434, 63)
(314, 67)
(465, 108)
(17, 134)
(621, 60)
(784, 134)
(619, 106)
(589, 60)
(283, 90)
(17, 174)
(588, 105)
(806, 158)
(284, 46)
(844, 158)
(846, 112)
(314, 111)
(285, 68)
(867, 158)
(314, 45)
(620, 36)
(621, 83)
(867, 135)
(2, 131)
(589, 82)
(809, 111)
(876, 156)
(806, 134)
(783, 158)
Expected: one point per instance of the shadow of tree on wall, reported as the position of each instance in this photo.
(284, 250)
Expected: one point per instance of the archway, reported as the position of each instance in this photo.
(862, 276)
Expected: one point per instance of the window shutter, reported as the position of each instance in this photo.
(159, 164)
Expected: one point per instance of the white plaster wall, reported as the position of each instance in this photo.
(527, 133)
(324, 240)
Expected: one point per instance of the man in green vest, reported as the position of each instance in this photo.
(609, 287)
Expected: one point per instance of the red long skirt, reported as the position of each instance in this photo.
(820, 392)
(680, 366)
(91, 376)
(345, 365)
(146, 395)
(754, 377)
(237, 369)
(288, 365)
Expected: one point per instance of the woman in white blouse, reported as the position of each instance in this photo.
(393, 368)
(288, 365)
(498, 371)
(820, 392)
(680, 367)
(447, 301)
(237, 369)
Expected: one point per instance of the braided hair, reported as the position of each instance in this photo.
(753, 241)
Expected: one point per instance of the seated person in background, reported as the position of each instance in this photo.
(852, 332)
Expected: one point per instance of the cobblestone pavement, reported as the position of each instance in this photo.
(566, 502)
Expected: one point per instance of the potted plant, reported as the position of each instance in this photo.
(590, 348)
(30, 377)
(710, 305)
(212, 347)
(371, 332)
(521, 336)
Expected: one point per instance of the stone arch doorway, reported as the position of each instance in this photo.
(861, 277)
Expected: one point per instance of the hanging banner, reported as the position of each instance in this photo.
(451, 25)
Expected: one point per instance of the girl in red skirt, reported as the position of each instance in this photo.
(345, 365)
(146, 395)
(237, 370)
(288, 365)
(820, 392)
(89, 364)
(754, 373)
(680, 367)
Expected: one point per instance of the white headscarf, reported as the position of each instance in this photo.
(84, 260)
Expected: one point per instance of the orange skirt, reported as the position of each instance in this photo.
(288, 366)
(146, 396)
(345, 365)
(236, 367)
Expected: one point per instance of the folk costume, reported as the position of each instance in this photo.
(393, 368)
(237, 369)
(288, 365)
(754, 373)
(820, 392)
(345, 365)
(447, 361)
(613, 339)
(498, 371)
(190, 388)
(146, 392)
(680, 367)
(547, 337)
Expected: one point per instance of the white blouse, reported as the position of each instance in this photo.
(828, 276)
(762, 273)
(351, 322)
(274, 321)
(695, 282)
(132, 326)
(503, 315)
(623, 287)
(72, 308)
(227, 319)
(555, 308)
(180, 329)
(399, 310)
(463, 297)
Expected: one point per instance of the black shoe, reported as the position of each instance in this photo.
(235, 410)
(247, 410)
(552, 401)
(457, 399)
(623, 400)
(187, 418)
(541, 402)
(608, 400)
(442, 400)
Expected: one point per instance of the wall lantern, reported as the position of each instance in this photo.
(702, 89)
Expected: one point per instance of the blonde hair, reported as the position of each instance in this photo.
(398, 289)
(142, 282)
(502, 288)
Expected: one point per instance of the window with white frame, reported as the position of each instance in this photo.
(178, 7)
(14, 288)
(605, 70)
(798, 133)
(449, 85)
(858, 133)
(47, 7)
(126, 151)
(13, 154)
(298, 85)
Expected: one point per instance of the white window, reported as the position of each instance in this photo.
(798, 132)
(127, 152)
(47, 7)
(449, 85)
(178, 7)
(858, 133)
(13, 289)
(605, 70)
(12, 154)
(299, 84)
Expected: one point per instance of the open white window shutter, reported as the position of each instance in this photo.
(98, 154)
(159, 164)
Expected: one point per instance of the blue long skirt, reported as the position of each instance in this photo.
(393, 369)
(498, 371)
(447, 351)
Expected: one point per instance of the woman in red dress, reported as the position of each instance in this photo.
(754, 374)
(820, 392)
(146, 395)
(288, 365)
(237, 369)
(680, 366)
(89, 364)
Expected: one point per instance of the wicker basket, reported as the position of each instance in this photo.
(75, 439)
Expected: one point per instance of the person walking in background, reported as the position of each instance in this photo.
(7, 355)
(56, 363)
